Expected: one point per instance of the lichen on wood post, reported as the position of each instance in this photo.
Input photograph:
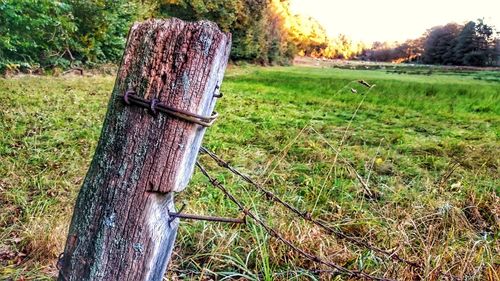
(120, 228)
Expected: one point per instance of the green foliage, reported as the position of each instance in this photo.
(101, 28)
(47, 33)
(224, 12)
(34, 32)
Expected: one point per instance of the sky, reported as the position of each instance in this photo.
(393, 20)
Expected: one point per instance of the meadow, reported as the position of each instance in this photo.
(425, 143)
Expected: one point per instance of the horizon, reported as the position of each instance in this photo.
(383, 20)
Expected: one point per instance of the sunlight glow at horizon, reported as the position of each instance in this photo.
(393, 20)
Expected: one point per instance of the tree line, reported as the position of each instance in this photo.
(41, 34)
(472, 44)
(68, 33)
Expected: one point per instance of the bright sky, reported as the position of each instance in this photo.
(391, 20)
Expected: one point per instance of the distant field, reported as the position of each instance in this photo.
(428, 140)
(478, 73)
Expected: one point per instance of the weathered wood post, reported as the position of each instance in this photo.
(170, 75)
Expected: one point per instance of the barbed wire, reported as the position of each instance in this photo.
(308, 216)
(305, 214)
(275, 234)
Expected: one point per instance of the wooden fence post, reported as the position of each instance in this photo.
(120, 228)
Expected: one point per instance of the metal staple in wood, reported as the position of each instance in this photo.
(179, 214)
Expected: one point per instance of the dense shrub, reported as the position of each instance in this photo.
(35, 32)
(48, 33)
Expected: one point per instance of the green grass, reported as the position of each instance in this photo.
(279, 125)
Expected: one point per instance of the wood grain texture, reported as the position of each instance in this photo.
(120, 229)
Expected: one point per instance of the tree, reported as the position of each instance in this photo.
(475, 45)
(466, 43)
(486, 42)
(472, 44)
(496, 52)
(439, 41)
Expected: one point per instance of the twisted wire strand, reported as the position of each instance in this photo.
(275, 234)
(308, 216)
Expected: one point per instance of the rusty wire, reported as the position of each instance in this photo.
(130, 97)
(338, 269)
(308, 216)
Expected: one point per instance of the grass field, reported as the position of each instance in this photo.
(428, 146)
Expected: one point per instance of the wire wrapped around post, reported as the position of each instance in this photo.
(130, 97)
